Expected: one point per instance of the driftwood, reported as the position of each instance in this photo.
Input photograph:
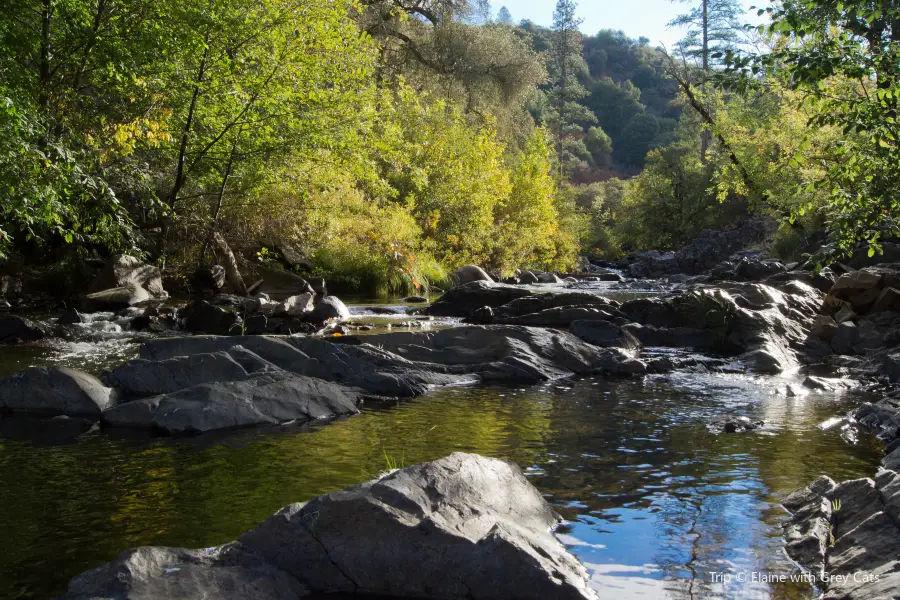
(231, 266)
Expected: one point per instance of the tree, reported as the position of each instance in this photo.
(712, 31)
(566, 112)
(504, 16)
(489, 69)
(843, 56)
(713, 28)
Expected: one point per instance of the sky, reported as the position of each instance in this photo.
(637, 18)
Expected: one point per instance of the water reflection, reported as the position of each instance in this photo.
(656, 503)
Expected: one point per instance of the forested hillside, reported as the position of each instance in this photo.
(385, 142)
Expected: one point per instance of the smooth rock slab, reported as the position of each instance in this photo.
(15, 329)
(52, 391)
(263, 400)
(463, 527)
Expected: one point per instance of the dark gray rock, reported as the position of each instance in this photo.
(711, 245)
(555, 317)
(822, 281)
(482, 316)
(845, 338)
(891, 366)
(750, 269)
(50, 391)
(479, 515)
(70, 317)
(141, 377)
(329, 307)
(463, 300)
(733, 424)
(202, 317)
(849, 532)
(888, 300)
(676, 337)
(439, 530)
(266, 399)
(528, 278)
(227, 572)
(415, 300)
(470, 273)
(761, 323)
(210, 278)
(605, 335)
(15, 329)
(534, 303)
(544, 277)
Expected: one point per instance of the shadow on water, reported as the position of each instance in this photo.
(656, 503)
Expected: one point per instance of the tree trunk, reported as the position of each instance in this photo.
(704, 135)
(231, 267)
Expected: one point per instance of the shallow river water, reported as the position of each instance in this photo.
(657, 505)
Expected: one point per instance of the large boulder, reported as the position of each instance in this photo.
(52, 391)
(114, 299)
(856, 284)
(848, 531)
(556, 317)
(393, 364)
(470, 273)
(762, 324)
(534, 303)
(457, 528)
(266, 399)
(15, 329)
(753, 269)
(296, 306)
(463, 300)
(712, 245)
(141, 377)
(130, 272)
(328, 308)
(202, 317)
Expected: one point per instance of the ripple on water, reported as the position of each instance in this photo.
(655, 502)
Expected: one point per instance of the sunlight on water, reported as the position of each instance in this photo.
(655, 502)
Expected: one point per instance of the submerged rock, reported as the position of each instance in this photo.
(453, 529)
(51, 391)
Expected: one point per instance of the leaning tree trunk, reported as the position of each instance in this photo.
(231, 266)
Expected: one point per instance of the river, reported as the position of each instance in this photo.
(657, 504)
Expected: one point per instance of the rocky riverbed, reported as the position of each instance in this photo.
(822, 333)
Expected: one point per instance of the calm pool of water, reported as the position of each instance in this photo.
(655, 502)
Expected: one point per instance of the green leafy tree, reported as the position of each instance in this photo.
(566, 113)
(843, 56)
(504, 16)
